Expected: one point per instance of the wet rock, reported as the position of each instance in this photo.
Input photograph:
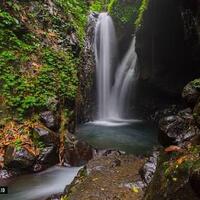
(18, 158)
(168, 111)
(77, 153)
(177, 129)
(46, 136)
(96, 165)
(38, 167)
(49, 120)
(108, 152)
(4, 174)
(149, 168)
(190, 94)
(49, 156)
(55, 197)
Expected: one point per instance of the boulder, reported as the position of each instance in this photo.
(77, 153)
(49, 156)
(191, 94)
(18, 158)
(45, 135)
(49, 120)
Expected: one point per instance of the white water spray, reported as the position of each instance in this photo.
(113, 85)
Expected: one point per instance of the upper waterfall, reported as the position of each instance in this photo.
(105, 53)
(114, 80)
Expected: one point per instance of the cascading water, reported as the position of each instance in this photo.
(105, 53)
(119, 98)
(113, 85)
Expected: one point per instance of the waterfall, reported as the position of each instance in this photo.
(105, 53)
(119, 98)
(114, 81)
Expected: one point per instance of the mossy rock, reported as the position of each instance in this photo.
(172, 180)
(191, 92)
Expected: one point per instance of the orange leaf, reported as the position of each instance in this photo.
(181, 159)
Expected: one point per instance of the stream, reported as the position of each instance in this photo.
(135, 137)
(39, 186)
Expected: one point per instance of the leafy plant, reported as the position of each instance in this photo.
(143, 7)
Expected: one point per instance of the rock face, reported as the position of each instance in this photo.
(168, 44)
(86, 97)
(177, 174)
(18, 158)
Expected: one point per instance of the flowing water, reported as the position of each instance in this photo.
(125, 75)
(114, 81)
(39, 186)
(105, 54)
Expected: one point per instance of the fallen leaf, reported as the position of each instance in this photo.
(174, 179)
(181, 159)
(135, 189)
(173, 148)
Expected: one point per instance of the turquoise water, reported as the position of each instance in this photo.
(136, 137)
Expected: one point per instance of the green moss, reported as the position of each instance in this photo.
(196, 83)
(33, 76)
(123, 12)
(127, 12)
(143, 7)
(76, 11)
(173, 173)
(17, 144)
(96, 6)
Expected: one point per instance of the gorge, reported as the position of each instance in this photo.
(100, 99)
